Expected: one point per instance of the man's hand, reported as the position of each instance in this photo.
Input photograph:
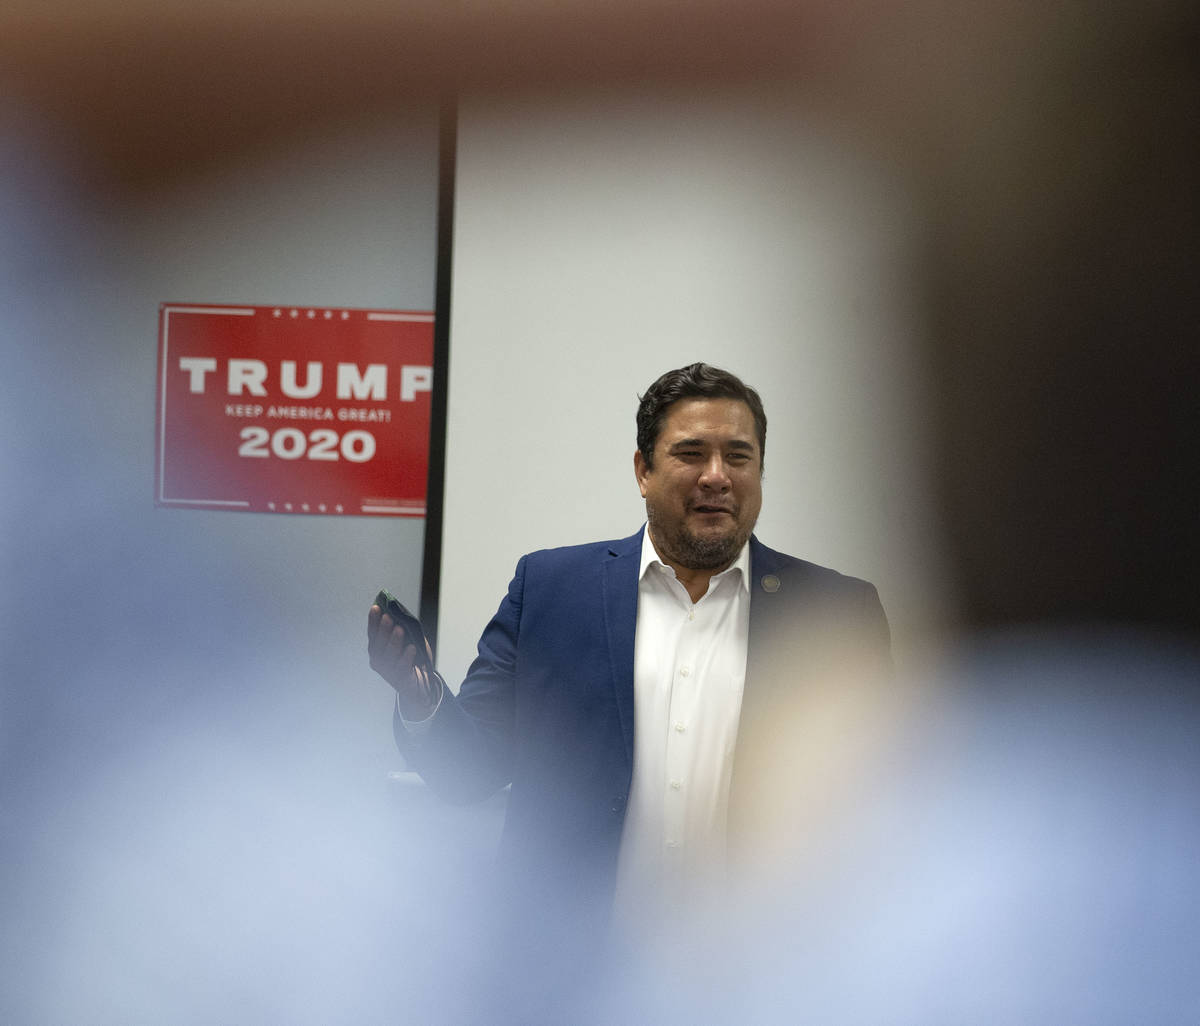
(393, 657)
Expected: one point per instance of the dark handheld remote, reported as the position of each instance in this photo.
(391, 605)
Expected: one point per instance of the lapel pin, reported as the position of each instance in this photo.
(770, 583)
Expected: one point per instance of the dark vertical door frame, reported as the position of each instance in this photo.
(431, 566)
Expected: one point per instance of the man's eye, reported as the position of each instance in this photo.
(738, 457)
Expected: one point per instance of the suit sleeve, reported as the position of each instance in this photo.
(466, 754)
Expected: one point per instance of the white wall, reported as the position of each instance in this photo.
(601, 240)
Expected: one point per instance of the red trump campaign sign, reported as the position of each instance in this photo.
(288, 409)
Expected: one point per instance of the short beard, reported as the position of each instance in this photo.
(682, 547)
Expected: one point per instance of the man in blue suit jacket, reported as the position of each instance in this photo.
(548, 705)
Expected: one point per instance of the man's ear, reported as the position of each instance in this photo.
(640, 470)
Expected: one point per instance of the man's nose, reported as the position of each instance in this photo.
(714, 476)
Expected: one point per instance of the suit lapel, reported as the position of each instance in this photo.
(619, 585)
(767, 595)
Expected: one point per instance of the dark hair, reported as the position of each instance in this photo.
(696, 381)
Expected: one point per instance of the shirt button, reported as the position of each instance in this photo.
(680, 728)
(691, 614)
(675, 785)
(684, 672)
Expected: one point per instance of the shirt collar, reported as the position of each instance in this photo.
(650, 558)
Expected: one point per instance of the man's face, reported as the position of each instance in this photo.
(705, 489)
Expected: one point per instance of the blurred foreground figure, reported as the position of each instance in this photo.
(1018, 839)
(1020, 847)
(635, 692)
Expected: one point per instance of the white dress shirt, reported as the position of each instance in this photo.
(689, 670)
